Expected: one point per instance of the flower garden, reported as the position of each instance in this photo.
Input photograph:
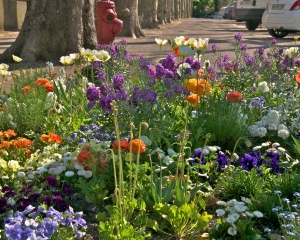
(182, 149)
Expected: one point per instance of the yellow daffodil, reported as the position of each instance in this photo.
(160, 41)
(16, 59)
(296, 38)
(66, 60)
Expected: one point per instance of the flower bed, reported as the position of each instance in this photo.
(184, 149)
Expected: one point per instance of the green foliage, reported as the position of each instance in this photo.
(185, 219)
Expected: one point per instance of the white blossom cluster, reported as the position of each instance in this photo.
(263, 87)
(235, 211)
(272, 121)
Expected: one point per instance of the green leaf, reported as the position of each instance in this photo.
(168, 192)
(101, 216)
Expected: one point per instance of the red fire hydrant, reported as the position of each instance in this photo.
(108, 25)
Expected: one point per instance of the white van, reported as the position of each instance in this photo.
(251, 12)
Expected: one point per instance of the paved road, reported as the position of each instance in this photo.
(219, 31)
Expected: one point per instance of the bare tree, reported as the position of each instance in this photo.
(10, 15)
(52, 29)
(127, 11)
(161, 11)
(176, 9)
(169, 11)
(148, 13)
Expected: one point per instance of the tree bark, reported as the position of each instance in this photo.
(176, 9)
(148, 14)
(169, 10)
(10, 15)
(161, 10)
(54, 28)
(127, 11)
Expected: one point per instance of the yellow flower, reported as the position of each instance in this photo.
(16, 59)
(14, 165)
(4, 66)
(202, 45)
(3, 164)
(296, 38)
(103, 55)
(179, 40)
(190, 84)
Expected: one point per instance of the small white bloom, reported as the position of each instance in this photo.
(232, 231)
(78, 166)
(5, 73)
(263, 87)
(103, 55)
(160, 41)
(246, 200)
(21, 174)
(29, 168)
(281, 149)
(221, 203)
(220, 212)
(81, 172)
(28, 181)
(167, 160)
(240, 208)
(230, 219)
(30, 176)
(4, 66)
(75, 56)
(249, 214)
(179, 40)
(236, 216)
(69, 173)
(266, 144)
(5, 177)
(66, 60)
(88, 174)
(257, 148)
(284, 134)
(258, 214)
(212, 148)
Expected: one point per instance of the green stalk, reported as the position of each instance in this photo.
(130, 161)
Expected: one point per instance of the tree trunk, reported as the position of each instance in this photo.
(161, 10)
(54, 28)
(169, 10)
(176, 9)
(148, 13)
(10, 15)
(127, 11)
(183, 8)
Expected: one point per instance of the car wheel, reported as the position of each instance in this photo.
(277, 33)
(251, 25)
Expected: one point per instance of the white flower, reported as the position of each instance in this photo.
(284, 134)
(75, 56)
(265, 144)
(161, 42)
(192, 42)
(167, 160)
(236, 216)
(221, 203)
(202, 44)
(249, 214)
(246, 200)
(257, 148)
(282, 150)
(4, 66)
(16, 59)
(220, 212)
(258, 214)
(5, 73)
(211, 148)
(42, 170)
(81, 172)
(230, 219)
(49, 67)
(88, 174)
(179, 40)
(274, 145)
(240, 208)
(66, 60)
(78, 166)
(263, 87)
(232, 231)
(30, 176)
(291, 51)
(103, 55)
(21, 174)
(231, 203)
(5, 177)
(69, 173)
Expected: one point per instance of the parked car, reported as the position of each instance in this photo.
(233, 11)
(222, 11)
(228, 10)
(282, 17)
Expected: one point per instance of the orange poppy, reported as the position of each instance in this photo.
(221, 85)
(298, 77)
(5, 144)
(234, 96)
(55, 138)
(137, 146)
(52, 74)
(27, 153)
(84, 157)
(176, 51)
(193, 99)
(49, 87)
(124, 145)
(41, 81)
(21, 143)
(9, 133)
(199, 73)
(25, 89)
(203, 87)
(1, 109)
(45, 138)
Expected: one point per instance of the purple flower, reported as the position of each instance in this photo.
(3, 205)
(49, 225)
(101, 75)
(169, 62)
(196, 65)
(169, 82)
(248, 162)
(105, 103)
(6, 189)
(52, 213)
(81, 140)
(26, 233)
(297, 63)
(189, 60)
(10, 194)
(73, 136)
(238, 37)
(91, 104)
(47, 200)
(222, 160)
(34, 197)
(13, 232)
(273, 42)
(52, 181)
(106, 89)
(243, 47)
(83, 128)
(214, 48)
(160, 71)
(275, 165)
(249, 61)
(92, 93)
(257, 102)
(118, 80)
(196, 157)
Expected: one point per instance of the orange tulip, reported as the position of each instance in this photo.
(84, 157)
(193, 99)
(55, 138)
(298, 77)
(124, 145)
(234, 96)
